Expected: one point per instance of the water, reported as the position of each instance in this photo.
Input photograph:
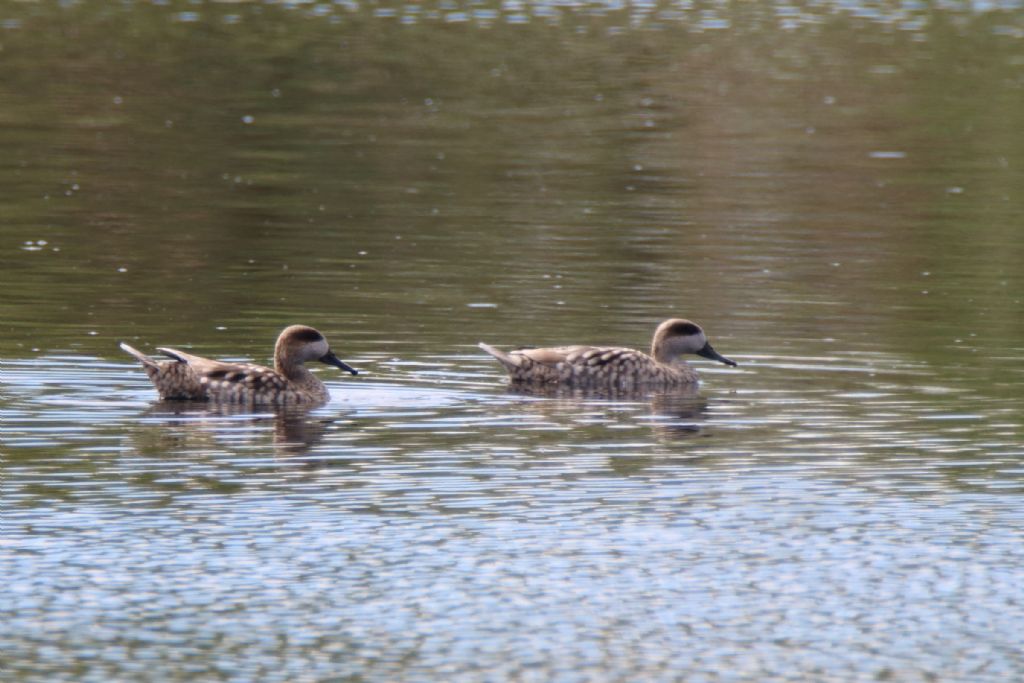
(832, 191)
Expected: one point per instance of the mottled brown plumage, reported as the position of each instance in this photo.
(196, 378)
(604, 366)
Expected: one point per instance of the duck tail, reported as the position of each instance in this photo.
(510, 362)
(141, 357)
(174, 354)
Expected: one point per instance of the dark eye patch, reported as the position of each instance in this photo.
(684, 329)
(307, 335)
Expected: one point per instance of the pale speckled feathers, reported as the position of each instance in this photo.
(592, 365)
(616, 367)
(192, 377)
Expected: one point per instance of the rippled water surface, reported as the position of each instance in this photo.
(832, 190)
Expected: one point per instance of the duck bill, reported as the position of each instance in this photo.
(331, 359)
(708, 352)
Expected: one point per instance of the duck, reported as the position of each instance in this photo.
(189, 377)
(611, 366)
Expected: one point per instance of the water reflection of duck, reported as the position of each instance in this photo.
(199, 425)
(672, 413)
(620, 368)
(683, 402)
(571, 392)
(197, 378)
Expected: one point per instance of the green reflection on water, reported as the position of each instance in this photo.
(800, 181)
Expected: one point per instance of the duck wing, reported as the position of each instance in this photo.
(227, 381)
(207, 366)
(589, 356)
(553, 355)
(529, 360)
